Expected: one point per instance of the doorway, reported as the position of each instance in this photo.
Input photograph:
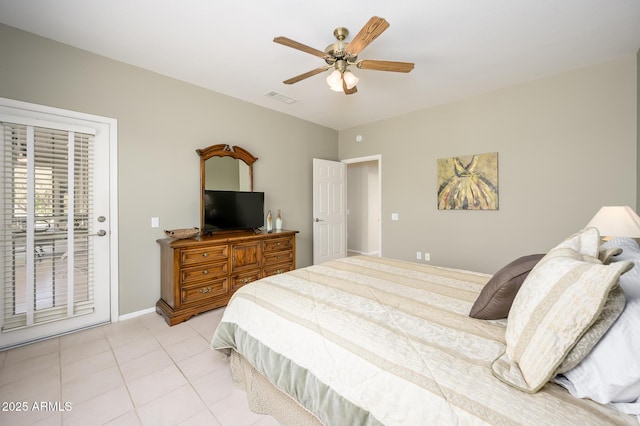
(58, 247)
(364, 205)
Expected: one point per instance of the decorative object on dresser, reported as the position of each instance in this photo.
(269, 222)
(179, 234)
(198, 275)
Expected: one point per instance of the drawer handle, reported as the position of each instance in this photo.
(279, 271)
(205, 272)
(278, 243)
(205, 254)
(245, 280)
(204, 290)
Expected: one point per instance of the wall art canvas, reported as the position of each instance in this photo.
(469, 182)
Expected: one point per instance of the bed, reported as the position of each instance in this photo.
(372, 341)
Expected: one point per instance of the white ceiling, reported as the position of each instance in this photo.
(460, 47)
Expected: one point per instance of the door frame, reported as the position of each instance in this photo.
(377, 158)
(32, 110)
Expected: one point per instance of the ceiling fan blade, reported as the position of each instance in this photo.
(367, 34)
(306, 75)
(303, 47)
(348, 91)
(370, 64)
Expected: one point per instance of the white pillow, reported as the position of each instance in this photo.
(630, 282)
(611, 371)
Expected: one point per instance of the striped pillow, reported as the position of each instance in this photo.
(558, 302)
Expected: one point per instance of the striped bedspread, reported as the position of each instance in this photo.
(371, 341)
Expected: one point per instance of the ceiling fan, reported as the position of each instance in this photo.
(341, 54)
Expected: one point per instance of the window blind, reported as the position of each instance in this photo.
(45, 206)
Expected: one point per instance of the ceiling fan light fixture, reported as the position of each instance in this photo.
(335, 81)
(341, 54)
(350, 79)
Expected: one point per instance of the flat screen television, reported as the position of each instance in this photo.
(232, 210)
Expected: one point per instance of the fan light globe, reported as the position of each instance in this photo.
(335, 81)
(350, 79)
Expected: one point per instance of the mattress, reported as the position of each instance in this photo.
(374, 341)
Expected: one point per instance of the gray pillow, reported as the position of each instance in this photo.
(496, 297)
(606, 255)
(630, 282)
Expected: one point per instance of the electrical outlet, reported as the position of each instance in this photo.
(394, 216)
(427, 257)
(419, 255)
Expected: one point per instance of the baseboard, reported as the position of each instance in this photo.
(136, 314)
(358, 252)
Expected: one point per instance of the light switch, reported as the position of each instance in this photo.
(155, 222)
(394, 216)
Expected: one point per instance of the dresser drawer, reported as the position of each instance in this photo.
(278, 257)
(194, 256)
(204, 272)
(239, 280)
(197, 293)
(278, 269)
(276, 244)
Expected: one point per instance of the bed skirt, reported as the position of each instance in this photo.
(265, 398)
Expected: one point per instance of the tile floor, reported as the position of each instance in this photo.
(135, 372)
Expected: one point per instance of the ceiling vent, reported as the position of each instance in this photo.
(280, 97)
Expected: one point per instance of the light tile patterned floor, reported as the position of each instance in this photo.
(134, 372)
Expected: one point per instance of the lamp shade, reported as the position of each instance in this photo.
(616, 221)
(350, 79)
(335, 81)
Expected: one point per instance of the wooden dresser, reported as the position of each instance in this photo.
(198, 275)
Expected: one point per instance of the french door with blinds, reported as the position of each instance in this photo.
(54, 210)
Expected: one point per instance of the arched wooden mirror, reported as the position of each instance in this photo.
(224, 167)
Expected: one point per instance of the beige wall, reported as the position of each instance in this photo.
(161, 122)
(566, 146)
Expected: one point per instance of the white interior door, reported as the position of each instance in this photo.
(56, 237)
(329, 210)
